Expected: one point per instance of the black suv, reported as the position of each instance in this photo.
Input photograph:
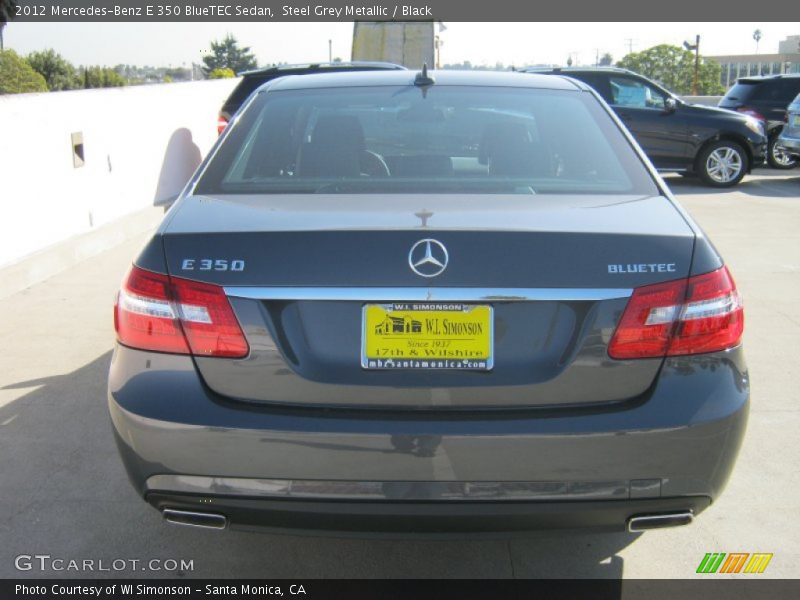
(766, 99)
(252, 80)
(718, 145)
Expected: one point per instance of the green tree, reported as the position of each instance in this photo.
(17, 76)
(227, 54)
(606, 60)
(56, 70)
(673, 67)
(221, 74)
(101, 77)
(8, 10)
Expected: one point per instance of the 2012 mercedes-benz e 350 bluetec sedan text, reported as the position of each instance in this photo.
(406, 302)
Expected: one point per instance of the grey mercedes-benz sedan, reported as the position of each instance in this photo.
(428, 302)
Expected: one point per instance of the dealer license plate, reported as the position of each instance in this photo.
(427, 335)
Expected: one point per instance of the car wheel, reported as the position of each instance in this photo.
(777, 158)
(722, 164)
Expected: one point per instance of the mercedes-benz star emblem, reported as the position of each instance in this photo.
(428, 258)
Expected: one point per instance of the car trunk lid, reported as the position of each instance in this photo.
(555, 270)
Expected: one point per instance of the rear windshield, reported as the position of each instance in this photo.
(742, 90)
(780, 91)
(446, 139)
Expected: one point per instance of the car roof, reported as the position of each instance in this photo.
(764, 78)
(567, 70)
(321, 67)
(406, 77)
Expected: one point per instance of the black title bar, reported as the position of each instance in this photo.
(400, 589)
(407, 10)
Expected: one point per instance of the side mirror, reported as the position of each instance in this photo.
(670, 104)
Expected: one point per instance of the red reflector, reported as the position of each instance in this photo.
(155, 312)
(222, 123)
(700, 314)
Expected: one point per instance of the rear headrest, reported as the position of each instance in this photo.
(500, 135)
(335, 149)
(342, 131)
(508, 149)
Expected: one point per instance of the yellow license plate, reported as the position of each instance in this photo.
(427, 335)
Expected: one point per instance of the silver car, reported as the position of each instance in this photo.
(789, 139)
(405, 302)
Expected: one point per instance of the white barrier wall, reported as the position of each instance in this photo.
(141, 144)
(704, 100)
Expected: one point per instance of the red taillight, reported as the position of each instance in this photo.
(687, 316)
(156, 312)
(144, 315)
(208, 321)
(712, 318)
(746, 110)
(222, 123)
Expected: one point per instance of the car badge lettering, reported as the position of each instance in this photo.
(643, 268)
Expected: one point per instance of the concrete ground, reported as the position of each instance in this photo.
(64, 493)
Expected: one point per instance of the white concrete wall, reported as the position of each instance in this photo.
(141, 145)
(705, 100)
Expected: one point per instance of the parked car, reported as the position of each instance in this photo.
(789, 139)
(397, 301)
(766, 99)
(252, 80)
(718, 145)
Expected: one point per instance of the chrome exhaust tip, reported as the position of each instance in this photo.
(659, 521)
(195, 519)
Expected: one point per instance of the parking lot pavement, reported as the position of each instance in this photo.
(64, 492)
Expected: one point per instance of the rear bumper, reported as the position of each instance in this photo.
(789, 142)
(412, 518)
(185, 447)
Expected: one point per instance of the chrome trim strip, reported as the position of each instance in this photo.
(425, 294)
(390, 490)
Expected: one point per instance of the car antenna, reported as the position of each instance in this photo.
(423, 80)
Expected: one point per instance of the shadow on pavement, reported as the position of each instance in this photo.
(65, 494)
(762, 182)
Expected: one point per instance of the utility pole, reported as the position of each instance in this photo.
(696, 48)
(330, 51)
(630, 44)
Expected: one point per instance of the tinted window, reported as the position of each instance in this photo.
(626, 91)
(597, 81)
(742, 90)
(246, 86)
(780, 91)
(447, 139)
